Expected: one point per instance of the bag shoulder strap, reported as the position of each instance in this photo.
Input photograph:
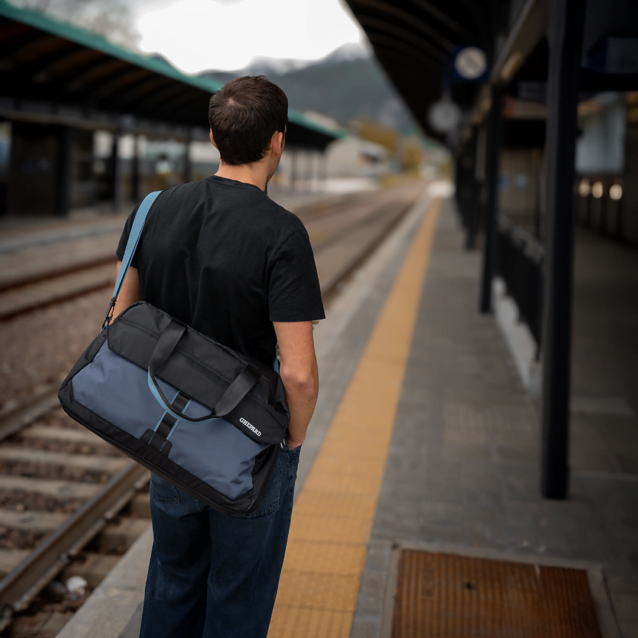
(131, 246)
(134, 239)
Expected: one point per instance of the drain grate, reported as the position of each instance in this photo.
(450, 596)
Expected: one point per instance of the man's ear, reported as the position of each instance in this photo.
(276, 143)
(212, 139)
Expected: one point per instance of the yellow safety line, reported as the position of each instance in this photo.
(333, 515)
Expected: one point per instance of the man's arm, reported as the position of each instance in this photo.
(130, 291)
(299, 374)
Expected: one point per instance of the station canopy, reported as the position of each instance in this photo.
(420, 42)
(53, 72)
(415, 42)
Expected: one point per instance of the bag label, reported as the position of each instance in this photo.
(250, 426)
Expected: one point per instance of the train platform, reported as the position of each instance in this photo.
(418, 508)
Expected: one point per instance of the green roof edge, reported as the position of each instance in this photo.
(93, 40)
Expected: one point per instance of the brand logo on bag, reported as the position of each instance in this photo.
(250, 426)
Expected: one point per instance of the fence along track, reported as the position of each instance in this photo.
(23, 583)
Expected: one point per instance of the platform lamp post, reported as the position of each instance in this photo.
(188, 162)
(64, 175)
(135, 169)
(565, 37)
(492, 173)
(473, 207)
(116, 171)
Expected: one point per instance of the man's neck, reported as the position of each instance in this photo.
(255, 174)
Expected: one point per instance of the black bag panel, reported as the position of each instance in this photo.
(144, 315)
(196, 364)
(86, 357)
(161, 465)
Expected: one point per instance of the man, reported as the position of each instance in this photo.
(219, 255)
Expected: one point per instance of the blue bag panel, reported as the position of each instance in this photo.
(108, 376)
(217, 453)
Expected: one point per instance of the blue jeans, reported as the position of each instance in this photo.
(215, 575)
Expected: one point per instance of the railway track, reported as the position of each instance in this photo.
(332, 223)
(63, 489)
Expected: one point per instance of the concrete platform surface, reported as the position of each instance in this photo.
(461, 456)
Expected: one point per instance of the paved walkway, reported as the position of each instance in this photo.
(445, 456)
(463, 464)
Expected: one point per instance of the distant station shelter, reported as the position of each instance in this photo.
(76, 110)
(538, 101)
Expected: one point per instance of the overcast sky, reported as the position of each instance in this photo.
(197, 35)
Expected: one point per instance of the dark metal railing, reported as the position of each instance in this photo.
(520, 265)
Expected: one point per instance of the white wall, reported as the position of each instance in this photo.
(600, 148)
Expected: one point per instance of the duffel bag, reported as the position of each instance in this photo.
(204, 417)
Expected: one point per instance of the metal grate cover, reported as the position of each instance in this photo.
(450, 596)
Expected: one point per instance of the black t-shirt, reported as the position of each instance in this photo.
(224, 258)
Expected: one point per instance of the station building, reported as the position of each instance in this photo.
(61, 85)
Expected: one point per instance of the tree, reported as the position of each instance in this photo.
(110, 19)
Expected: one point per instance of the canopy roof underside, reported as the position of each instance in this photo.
(51, 71)
(415, 40)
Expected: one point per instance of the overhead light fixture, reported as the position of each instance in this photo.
(597, 190)
(584, 188)
(444, 116)
(470, 63)
(615, 192)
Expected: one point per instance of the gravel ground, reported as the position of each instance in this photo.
(23, 501)
(18, 538)
(58, 418)
(51, 471)
(41, 347)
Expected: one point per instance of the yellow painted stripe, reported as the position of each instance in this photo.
(333, 515)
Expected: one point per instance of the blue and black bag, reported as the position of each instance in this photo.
(200, 415)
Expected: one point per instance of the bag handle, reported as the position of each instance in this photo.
(235, 392)
(131, 246)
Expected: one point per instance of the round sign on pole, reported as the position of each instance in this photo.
(444, 116)
(470, 63)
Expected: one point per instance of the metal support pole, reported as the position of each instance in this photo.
(464, 183)
(565, 35)
(135, 170)
(293, 170)
(324, 170)
(64, 177)
(317, 170)
(116, 173)
(458, 183)
(472, 205)
(492, 170)
(188, 165)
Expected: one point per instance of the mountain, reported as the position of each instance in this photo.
(345, 85)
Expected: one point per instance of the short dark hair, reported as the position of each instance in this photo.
(243, 116)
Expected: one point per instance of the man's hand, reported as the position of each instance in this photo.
(299, 374)
(293, 444)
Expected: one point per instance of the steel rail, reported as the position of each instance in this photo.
(330, 287)
(54, 273)
(378, 212)
(29, 411)
(24, 582)
(337, 206)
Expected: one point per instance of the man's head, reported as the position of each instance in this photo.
(244, 115)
